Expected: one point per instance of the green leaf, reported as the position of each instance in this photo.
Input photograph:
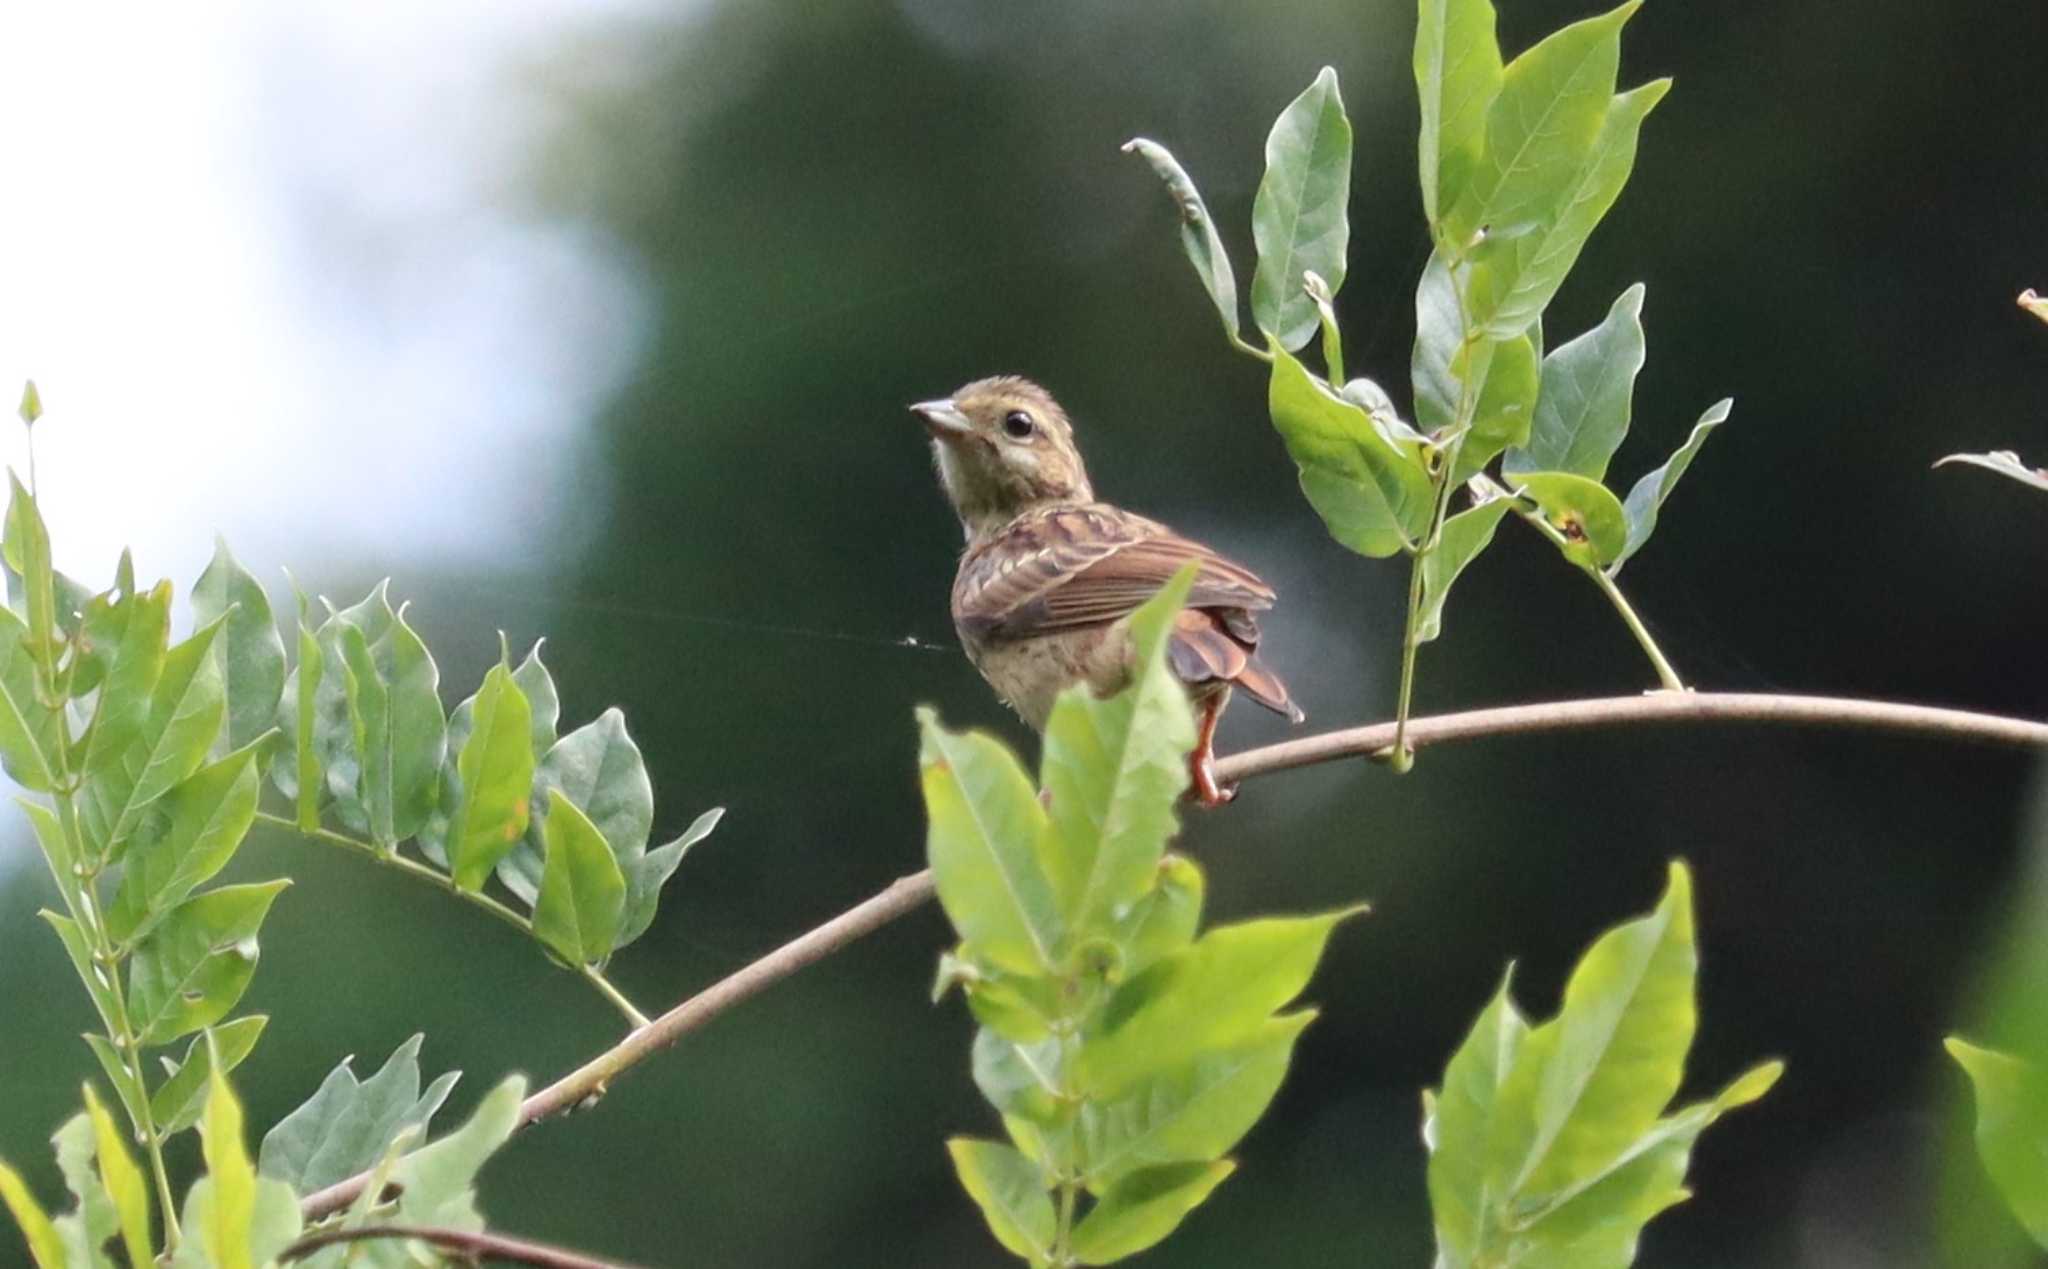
(369, 715)
(1646, 499)
(1144, 1208)
(228, 1219)
(181, 1098)
(1215, 993)
(123, 1181)
(1374, 496)
(93, 1219)
(184, 716)
(1513, 281)
(600, 769)
(1198, 236)
(118, 1075)
(27, 548)
(303, 700)
(496, 773)
(2006, 463)
(273, 1224)
(28, 729)
(1463, 1126)
(183, 840)
(1113, 769)
(1457, 75)
(338, 753)
(31, 407)
(134, 666)
(347, 1126)
(1594, 526)
(1300, 217)
(1192, 1112)
(1020, 1078)
(1165, 920)
(2012, 1129)
(251, 654)
(1540, 129)
(1507, 405)
(1011, 1194)
(985, 826)
(646, 875)
(1596, 1077)
(542, 698)
(437, 1182)
(43, 1243)
(418, 730)
(195, 965)
(1583, 410)
(1465, 535)
(75, 946)
(581, 905)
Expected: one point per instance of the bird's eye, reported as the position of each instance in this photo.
(1018, 424)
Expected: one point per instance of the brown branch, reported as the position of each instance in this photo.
(473, 1247)
(590, 1080)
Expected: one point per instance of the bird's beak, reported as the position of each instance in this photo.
(942, 419)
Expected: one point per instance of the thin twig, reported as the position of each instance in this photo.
(468, 1246)
(442, 881)
(591, 1080)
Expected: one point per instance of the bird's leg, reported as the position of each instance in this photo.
(1202, 762)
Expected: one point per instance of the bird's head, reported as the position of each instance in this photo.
(1003, 447)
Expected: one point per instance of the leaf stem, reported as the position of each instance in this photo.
(1665, 674)
(442, 881)
(908, 894)
(1063, 1236)
(471, 1247)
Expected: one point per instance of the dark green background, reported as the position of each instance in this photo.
(840, 208)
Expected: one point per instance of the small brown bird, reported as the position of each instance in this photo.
(1050, 576)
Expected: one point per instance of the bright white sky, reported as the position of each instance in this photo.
(260, 260)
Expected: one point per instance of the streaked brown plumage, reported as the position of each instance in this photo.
(1050, 576)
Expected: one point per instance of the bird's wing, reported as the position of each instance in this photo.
(1084, 566)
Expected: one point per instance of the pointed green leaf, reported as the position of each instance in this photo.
(1465, 1122)
(1165, 920)
(44, 1246)
(347, 1126)
(185, 709)
(1465, 535)
(369, 715)
(195, 965)
(437, 1182)
(1591, 519)
(1489, 384)
(1011, 1194)
(119, 1076)
(985, 825)
(1597, 1077)
(1457, 75)
(1020, 1078)
(601, 770)
(183, 840)
(1113, 769)
(545, 702)
(1215, 993)
(2012, 1129)
(419, 731)
(1301, 215)
(93, 1220)
(181, 1098)
(1373, 495)
(298, 712)
(251, 653)
(27, 548)
(1193, 1112)
(97, 985)
(1583, 412)
(1198, 236)
(134, 667)
(28, 729)
(123, 1181)
(1540, 128)
(1514, 281)
(1507, 406)
(646, 875)
(229, 1218)
(1144, 1208)
(338, 752)
(1646, 499)
(582, 899)
(496, 779)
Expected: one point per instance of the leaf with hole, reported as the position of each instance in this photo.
(195, 965)
(1589, 518)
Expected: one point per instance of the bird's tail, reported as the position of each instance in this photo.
(1265, 687)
